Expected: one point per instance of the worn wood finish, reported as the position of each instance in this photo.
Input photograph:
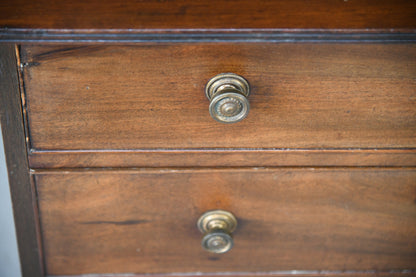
(152, 96)
(187, 14)
(222, 158)
(22, 192)
(143, 221)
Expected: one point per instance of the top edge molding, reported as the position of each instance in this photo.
(13, 35)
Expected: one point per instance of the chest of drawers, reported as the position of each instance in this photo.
(114, 157)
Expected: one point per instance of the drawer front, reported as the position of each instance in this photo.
(144, 221)
(152, 96)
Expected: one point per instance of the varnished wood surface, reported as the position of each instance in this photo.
(222, 158)
(144, 221)
(186, 14)
(349, 105)
(21, 187)
(152, 96)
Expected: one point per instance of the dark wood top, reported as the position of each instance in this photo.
(388, 15)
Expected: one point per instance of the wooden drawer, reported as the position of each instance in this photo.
(151, 96)
(144, 221)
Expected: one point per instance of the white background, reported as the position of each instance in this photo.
(9, 258)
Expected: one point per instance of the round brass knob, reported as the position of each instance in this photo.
(228, 94)
(217, 227)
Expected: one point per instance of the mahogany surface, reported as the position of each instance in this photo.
(152, 96)
(144, 221)
(212, 14)
(112, 155)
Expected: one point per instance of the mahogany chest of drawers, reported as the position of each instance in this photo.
(281, 134)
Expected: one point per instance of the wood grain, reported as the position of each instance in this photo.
(143, 221)
(21, 186)
(152, 96)
(222, 158)
(187, 14)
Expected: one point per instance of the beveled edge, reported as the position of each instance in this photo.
(26, 35)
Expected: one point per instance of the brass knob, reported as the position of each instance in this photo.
(217, 227)
(228, 94)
